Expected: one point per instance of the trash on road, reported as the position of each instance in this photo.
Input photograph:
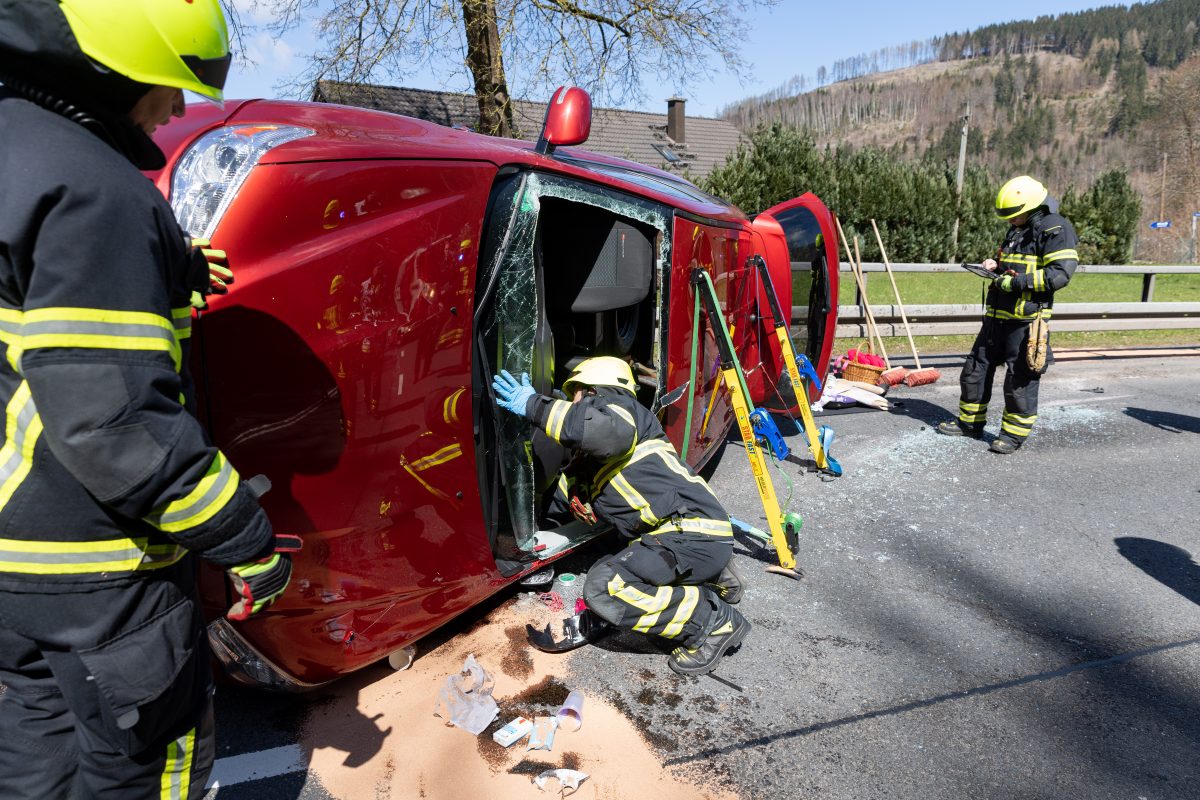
(466, 698)
(562, 781)
(542, 737)
(513, 732)
(570, 716)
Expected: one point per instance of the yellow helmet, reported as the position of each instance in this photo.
(156, 42)
(600, 371)
(1019, 195)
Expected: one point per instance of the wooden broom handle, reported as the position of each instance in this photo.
(862, 290)
(895, 290)
(862, 286)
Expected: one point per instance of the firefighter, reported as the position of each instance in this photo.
(1037, 258)
(108, 485)
(675, 580)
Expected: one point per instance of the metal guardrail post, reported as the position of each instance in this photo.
(1148, 287)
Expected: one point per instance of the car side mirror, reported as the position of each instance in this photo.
(568, 119)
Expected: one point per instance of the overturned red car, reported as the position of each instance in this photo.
(386, 268)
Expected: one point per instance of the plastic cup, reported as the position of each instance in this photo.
(570, 716)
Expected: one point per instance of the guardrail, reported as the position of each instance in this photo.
(930, 320)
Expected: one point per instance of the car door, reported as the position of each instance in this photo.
(798, 240)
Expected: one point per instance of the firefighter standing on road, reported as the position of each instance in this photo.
(1037, 258)
(675, 580)
(107, 483)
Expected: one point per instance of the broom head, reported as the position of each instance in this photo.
(894, 376)
(920, 377)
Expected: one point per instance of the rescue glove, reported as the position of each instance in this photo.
(259, 583)
(512, 395)
(1006, 283)
(218, 277)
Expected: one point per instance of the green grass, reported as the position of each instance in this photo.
(920, 288)
(917, 288)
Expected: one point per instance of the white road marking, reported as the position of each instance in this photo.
(256, 766)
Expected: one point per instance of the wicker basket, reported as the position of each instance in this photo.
(855, 371)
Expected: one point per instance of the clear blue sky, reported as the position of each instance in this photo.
(792, 38)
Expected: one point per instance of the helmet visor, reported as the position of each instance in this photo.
(209, 71)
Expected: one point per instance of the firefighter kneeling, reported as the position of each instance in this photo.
(675, 580)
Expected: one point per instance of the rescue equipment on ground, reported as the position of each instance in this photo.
(921, 375)
(739, 394)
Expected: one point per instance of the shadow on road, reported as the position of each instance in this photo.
(1166, 420)
(1171, 566)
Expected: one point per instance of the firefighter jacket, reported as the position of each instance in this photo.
(625, 467)
(104, 474)
(1042, 253)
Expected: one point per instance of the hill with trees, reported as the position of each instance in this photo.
(1079, 100)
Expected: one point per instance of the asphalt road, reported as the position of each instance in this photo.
(970, 625)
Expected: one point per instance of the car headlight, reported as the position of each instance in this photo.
(214, 168)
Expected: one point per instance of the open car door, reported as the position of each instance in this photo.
(798, 240)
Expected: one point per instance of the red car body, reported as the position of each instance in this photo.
(379, 282)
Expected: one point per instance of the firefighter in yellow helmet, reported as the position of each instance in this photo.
(108, 485)
(675, 580)
(1037, 258)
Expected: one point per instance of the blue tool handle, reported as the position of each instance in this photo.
(807, 370)
(766, 429)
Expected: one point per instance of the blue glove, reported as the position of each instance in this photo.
(1006, 283)
(511, 395)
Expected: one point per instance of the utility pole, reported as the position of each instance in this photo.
(958, 182)
(1162, 192)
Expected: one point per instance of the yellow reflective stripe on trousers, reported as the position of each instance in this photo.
(1017, 424)
(177, 771)
(79, 558)
(22, 428)
(709, 527)
(556, 418)
(203, 502)
(1000, 314)
(651, 605)
(691, 595)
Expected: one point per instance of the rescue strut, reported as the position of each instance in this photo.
(731, 373)
(795, 366)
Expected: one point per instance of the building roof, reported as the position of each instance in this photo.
(634, 135)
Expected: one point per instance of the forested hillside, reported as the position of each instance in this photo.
(1066, 98)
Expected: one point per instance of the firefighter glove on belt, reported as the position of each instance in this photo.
(219, 276)
(512, 395)
(259, 583)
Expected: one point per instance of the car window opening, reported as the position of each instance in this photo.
(578, 271)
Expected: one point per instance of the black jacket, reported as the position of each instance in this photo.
(104, 474)
(625, 467)
(1042, 253)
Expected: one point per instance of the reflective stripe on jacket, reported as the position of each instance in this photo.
(1043, 254)
(626, 468)
(104, 473)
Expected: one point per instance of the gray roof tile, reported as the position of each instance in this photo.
(630, 135)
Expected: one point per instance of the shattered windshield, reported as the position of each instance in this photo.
(514, 332)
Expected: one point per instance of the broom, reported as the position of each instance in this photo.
(891, 375)
(919, 376)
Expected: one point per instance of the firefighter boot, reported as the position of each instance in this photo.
(728, 629)
(1004, 446)
(953, 427)
(729, 585)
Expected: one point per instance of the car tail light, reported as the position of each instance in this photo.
(214, 168)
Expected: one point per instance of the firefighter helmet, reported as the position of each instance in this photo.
(183, 45)
(1018, 196)
(600, 371)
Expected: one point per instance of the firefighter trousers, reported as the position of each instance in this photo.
(1000, 342)
(654, 586)
(108, 692)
